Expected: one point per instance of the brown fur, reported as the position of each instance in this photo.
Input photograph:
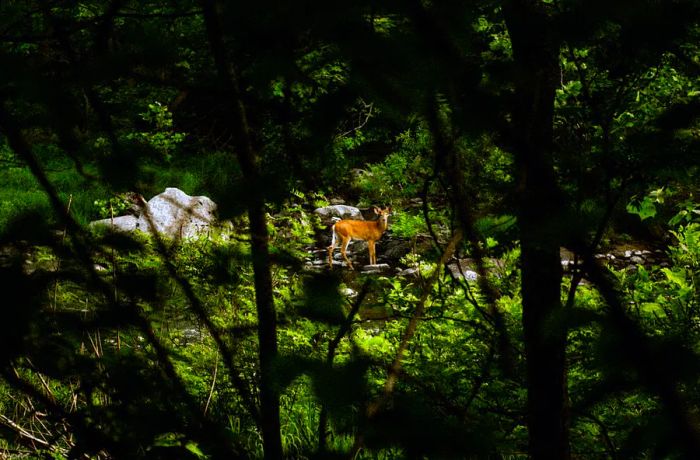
(369, 231)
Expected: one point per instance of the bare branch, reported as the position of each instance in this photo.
(24, 433)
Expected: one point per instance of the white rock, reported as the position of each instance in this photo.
(173, 213)
(341, 211)
(378, 268)
(408, 272)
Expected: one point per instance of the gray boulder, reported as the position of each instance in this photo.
(340, 211)
(378, 268)
(467, 268)
(173, 213)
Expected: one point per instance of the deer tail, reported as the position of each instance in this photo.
(334, 236)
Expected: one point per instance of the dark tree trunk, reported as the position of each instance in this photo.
(267, 332)
(536, 55)
(248, 160)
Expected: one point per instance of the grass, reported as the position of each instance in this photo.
(20, 192)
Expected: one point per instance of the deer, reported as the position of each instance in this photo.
(370, 231)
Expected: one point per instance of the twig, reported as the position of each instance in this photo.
(330, 356)
(396, 366)
(93, 343)
(641, 355)
(213, 383)
(426, 214)
(362, 123)
(471, 298)
(45, 384)
(449, 161)
(612, 450)
(410, 330)
(21, 147)
(24, 433)
(200, 311)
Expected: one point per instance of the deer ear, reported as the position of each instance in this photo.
(375, 209)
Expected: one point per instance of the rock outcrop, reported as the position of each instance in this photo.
(173, 213)
(338, 211)
(620, 258)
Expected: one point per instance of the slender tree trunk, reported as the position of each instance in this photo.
(536, 54)
(267, 332)
(248, 160)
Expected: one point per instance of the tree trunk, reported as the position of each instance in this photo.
(536, 55)
(267, 332)
(248, 160)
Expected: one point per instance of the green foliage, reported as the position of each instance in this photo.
(162, 137)
(646, 206)
(407, 225)
(14, 206)
(114, 206)
(497, 230)
(117, 346)
(294, 227)
(401, 174)
(687, 249)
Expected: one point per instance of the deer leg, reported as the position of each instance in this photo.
(372, 253)
(331, 248)
(343, 250)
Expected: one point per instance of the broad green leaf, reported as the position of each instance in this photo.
(644, 208)
(194, 448)
(653, 308)
(677, 276)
